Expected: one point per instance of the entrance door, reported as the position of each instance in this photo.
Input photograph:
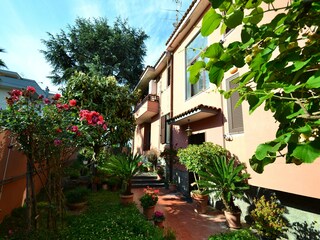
(195, 139)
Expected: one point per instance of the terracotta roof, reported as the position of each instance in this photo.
(182, 19)
(193, 114)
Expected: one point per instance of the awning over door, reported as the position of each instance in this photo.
(194, 114)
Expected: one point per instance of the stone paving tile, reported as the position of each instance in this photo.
(182, 217)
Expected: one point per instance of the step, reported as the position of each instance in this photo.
(145, 180)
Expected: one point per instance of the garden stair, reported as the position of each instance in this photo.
(144, 180)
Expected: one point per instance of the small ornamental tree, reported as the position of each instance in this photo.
(282, 57)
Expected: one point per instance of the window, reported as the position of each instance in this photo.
(165, 129)
(169, 74)
(193, 51)
(235, 117)
(147, 136)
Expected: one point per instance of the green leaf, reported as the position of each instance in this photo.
(292, 88)
(214, 51)
(246, 34)
(216, 74)
(210, 22)
(255, 16)
(314, 81)
(305, 129)
(252, 3)
(195, 71)
(300, 64)
(235, 19)
(264, 149)
(307, 152)
(216, 3)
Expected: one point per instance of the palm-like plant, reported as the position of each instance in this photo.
(226, 179)
(2, 64)
(124, 167)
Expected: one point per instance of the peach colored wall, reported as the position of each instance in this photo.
(258, 128)
(13, 191)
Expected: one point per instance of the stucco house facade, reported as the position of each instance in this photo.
(175, 113)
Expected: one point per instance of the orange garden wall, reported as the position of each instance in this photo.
(12, 177)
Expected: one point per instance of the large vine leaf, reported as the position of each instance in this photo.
(307, 152)
(234, 19)
(210, 22)
(195, 71)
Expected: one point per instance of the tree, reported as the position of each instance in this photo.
(2, 64)
(95, 46)
(107, 96)
(282, 57)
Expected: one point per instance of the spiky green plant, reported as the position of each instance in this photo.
(226, 178)
(124, 167)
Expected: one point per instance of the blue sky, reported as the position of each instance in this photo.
(25, 23)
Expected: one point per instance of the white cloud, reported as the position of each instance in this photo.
(87, 9)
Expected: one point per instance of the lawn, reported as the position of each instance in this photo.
(104, 218)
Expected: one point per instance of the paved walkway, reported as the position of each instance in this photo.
(182, 217)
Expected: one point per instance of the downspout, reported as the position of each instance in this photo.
(6, 166)
(171, 112)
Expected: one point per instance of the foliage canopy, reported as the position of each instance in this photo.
(283, 70)
(95, 46)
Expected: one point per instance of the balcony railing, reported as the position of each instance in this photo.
(147, 108)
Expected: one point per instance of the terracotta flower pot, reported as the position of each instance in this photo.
(233, 219)
(148, 212)
(201, 201)
(126, 199)
(159, 224)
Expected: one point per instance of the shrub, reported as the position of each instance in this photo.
(268, 219)
(77, 195)
(243, 234)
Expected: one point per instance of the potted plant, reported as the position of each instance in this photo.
(195, 157)
(227, 179)
(124, 166)
(158, 219)
(76, 198)
(152, 155)
(148, 201)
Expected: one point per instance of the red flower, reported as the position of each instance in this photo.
(66, 106)
(15, 93)
(57, 142)
(58, 130)
(56, 97)
(46, 101)
(31, 90)
(40, 96)
(72, 102)
(74, 129)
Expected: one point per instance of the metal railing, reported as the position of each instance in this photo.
(150, 97)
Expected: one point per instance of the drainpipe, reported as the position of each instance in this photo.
(171, 111)
(6, 166)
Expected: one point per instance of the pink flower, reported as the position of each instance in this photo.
(56, 97)
(73, 102)
(16, 93)
(40, 96)
(57, 142)
(74, 129)
(31, 90)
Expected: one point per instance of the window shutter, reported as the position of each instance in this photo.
(163, 130)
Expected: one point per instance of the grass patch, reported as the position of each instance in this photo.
(104, 218)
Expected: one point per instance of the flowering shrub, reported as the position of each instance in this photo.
(150, 197)
(158, 216)
(47, 131)
(268, 218)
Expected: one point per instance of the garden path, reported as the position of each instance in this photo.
(182, 217)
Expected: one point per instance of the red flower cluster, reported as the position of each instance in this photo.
(93, 118)
(31, 90)
(56, 97)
